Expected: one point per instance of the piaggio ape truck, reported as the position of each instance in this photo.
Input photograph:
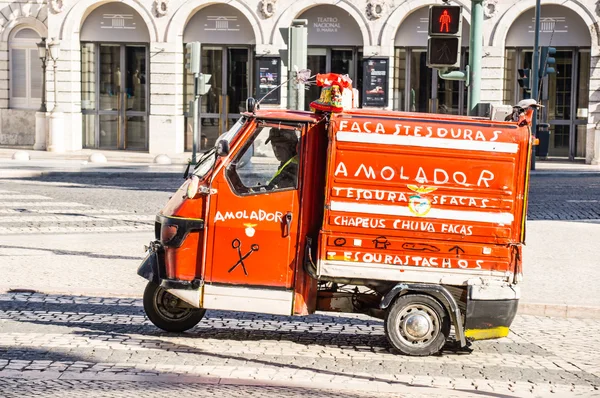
(421, 215)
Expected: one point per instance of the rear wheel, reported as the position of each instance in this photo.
(417, 324)
(168, 312)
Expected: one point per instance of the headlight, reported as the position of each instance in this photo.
(192, 189)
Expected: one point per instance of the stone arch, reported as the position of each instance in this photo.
(29, 22)
(75, 18)
(189, 8)
(395, 19)
(296, 8)
(500, 31)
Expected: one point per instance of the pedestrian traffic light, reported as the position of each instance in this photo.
(547, 61)
(203, 85)
(445, 28)
(444, 20)
(524, 80)
(192, 57)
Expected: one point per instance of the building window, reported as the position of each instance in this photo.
(25, 70)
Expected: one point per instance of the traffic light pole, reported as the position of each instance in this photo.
(475, 54)
(472, 73)
(297, 53)
(194, 108)
(535, 73)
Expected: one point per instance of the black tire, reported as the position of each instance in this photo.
(417, 325)
(162, 309)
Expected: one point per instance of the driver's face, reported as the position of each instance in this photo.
(281, 151)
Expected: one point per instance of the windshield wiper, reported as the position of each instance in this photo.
(202, 159)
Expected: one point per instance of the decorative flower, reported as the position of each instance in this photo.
(56, 6)
(268, 8)
(489, 8)
(161, 7)
(375, 9)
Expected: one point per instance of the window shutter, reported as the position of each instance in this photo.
(35, 73)
(19, 73)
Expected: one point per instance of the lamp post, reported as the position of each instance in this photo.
(43, 54)
(41, 122)
(54, 47)
(56, 121)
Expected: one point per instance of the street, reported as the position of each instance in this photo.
(71, 320)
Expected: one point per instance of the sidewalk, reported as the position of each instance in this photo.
(118, 163)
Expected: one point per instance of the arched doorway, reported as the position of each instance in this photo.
(565, 94)
(418, 88)
(114, 78)
(334, 45)
(228, 42)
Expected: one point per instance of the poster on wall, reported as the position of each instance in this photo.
(375, 82)
(269, 77)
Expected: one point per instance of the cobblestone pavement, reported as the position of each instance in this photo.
(97, 344)
(564, 197)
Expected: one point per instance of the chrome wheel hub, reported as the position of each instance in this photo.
(419, 324)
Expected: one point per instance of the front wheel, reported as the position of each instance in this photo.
(167, 312)
(417, 324)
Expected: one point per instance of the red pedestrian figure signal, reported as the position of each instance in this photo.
(445, 20)
(444, 42)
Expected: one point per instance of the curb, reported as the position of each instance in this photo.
(559, 310)
(535, 309)
(556, 173)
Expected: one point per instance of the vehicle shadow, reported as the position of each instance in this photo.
(126, 316)
(98, 328)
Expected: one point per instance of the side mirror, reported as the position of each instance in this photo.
(251, 105)
(222, 148)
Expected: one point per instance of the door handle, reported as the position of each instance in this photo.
(287, 219)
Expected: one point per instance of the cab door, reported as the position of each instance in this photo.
(254, 229)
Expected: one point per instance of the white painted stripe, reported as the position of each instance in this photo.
(31, 210)
(403, 211)
(77, 218)
(25, 205)
(404, 273)
(443, 143)
(5, 191)
(76, 230)
(28, 197)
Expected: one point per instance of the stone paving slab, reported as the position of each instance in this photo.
(109, 339)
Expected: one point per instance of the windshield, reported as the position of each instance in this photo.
(208, 159)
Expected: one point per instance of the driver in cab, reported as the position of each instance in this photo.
(285, 148)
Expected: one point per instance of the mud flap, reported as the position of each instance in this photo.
(489, 319)
(149, 268)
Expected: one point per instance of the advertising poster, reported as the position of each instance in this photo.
(375, 82)
(269, 77)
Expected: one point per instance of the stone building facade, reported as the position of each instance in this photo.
(121, 82)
